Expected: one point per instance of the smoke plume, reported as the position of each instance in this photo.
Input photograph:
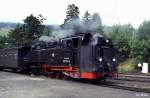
(71, 28)
(95, 39)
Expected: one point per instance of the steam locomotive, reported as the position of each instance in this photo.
(82, 56)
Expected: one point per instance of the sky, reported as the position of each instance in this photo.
(111, 11)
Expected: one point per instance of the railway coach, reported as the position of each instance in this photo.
(14, 58)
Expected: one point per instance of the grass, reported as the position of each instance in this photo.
(4, 32)
(126, 66)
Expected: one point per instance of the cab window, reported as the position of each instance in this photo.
(75, 42)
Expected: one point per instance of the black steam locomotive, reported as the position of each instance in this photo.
(83, 56)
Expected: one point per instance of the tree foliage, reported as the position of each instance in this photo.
(143, 32)
(17, 35)
(46, 31)
(89, 23)
(122, 36)
(28, 32)
(72, 13)
(141, 50)
(32, 27)
(97, 22)
(87, 17)
(141, 44)
(4, 42)
(92, 23)
(72, 20)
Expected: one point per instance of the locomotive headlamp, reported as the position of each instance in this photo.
(82, 38)
(100, 59)
(107, 40)
(114, 59)
(53, 55)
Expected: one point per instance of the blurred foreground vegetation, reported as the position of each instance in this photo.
(4, 32)
(127, 66)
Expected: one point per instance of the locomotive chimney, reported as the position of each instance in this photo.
(87, 39)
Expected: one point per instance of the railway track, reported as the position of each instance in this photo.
(132, 83)
(132, 78)
(124, 87)
(136, 83)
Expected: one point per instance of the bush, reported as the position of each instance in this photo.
(126, 66)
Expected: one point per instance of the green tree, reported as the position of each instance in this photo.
(72, 13)
(141, 50)
(86, 21)
(141, 44)
(122, 36)
(27, 33)
(143, 32)
(72, 20)
(2, 42)
(97, 23)
(92, 23)
(32, 25)
(46, 31)
(41, 18)
(17, 35)
(86, 17)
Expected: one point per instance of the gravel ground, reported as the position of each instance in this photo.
(14, 85)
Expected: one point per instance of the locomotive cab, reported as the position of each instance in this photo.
(97, 57)
(93, 54)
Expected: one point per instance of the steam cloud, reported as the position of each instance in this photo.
(71, 28)
(95, 39)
